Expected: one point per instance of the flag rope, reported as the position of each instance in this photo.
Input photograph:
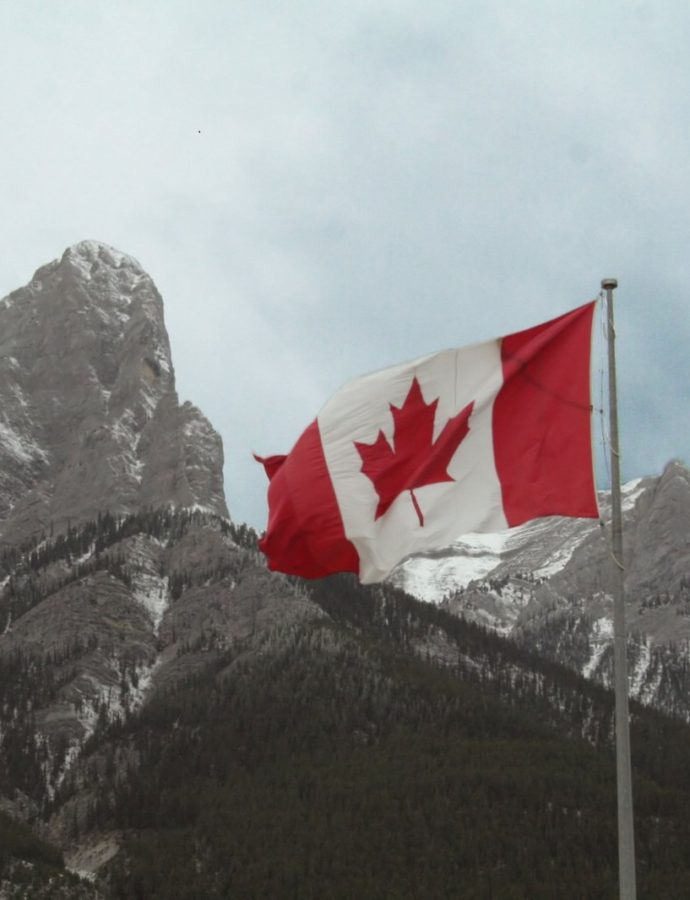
(603, 375)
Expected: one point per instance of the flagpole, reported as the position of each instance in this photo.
(626, 835)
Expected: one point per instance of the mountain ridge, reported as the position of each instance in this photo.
(548, 585)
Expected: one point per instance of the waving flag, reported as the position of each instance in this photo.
(406, 460)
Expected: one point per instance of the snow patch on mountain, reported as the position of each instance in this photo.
(153, 593)
(19, 395)
(207, 510)
(557, 563)
(472, 557)
(144, 683)
(640, 671)
(150, 589)
(125, 433)
(21, 447)
(432, 579)
(149, 402)
(630, 492)
(600, 641)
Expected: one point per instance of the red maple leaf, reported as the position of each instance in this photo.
(416, 459)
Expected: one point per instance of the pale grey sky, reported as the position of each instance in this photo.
(324, 189)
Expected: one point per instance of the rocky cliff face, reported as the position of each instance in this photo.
(120, 572)
(89, 415)
(548, 585)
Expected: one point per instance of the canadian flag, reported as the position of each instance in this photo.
(479, 438)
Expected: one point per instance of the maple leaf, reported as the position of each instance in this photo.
(416, 459)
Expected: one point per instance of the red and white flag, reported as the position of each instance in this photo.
(405, 460)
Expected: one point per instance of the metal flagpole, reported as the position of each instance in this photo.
(626, 836)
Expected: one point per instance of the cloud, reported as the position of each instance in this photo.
(321, 190)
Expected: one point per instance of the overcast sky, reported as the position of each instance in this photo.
(321, 189)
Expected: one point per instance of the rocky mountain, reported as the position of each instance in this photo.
(89, 416)
(547, 585)
(117, 559)
(176, 721)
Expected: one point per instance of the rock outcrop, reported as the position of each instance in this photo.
(89, 415)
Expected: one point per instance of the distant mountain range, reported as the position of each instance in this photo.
(547, 585)
(176, 721)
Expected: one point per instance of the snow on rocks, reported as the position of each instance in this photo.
(127, 438)
(152, 592)
(630, 492)
(21, 447)
(85, 254)
(602, 637)
(542, 547)
(149, 588)
(638, 675)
